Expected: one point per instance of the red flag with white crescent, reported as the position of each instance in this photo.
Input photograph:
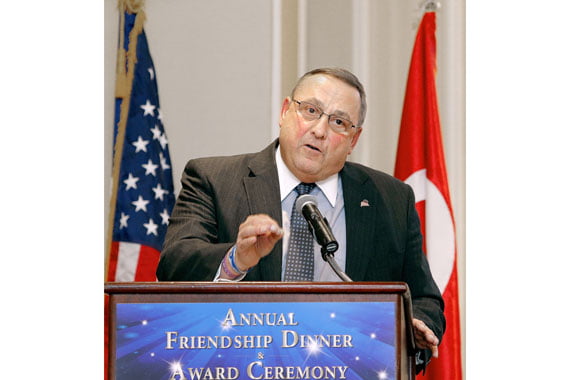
(420, 162)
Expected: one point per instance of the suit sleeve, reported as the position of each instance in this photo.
(192, 249)
(427, 302)
(426, 297)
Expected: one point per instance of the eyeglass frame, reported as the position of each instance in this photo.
(353, 126)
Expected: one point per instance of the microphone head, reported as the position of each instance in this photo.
(304, 200)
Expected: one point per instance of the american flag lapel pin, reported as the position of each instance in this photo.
(364, 203)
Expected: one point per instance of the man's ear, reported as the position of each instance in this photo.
(284, 108)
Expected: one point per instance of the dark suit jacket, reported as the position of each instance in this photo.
(384, 241)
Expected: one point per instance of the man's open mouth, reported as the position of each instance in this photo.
(312, 147)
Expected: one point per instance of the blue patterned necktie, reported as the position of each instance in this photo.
(301, 256)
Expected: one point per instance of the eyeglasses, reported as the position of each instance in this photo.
(311, 112)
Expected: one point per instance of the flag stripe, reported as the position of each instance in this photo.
(112, 261)
(147, 263)
(127, 260)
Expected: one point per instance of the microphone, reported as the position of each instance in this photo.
(306, 205)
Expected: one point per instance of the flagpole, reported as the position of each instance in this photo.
(123, 87)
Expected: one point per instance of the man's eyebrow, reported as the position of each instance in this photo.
(320, 104)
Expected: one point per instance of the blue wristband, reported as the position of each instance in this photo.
(233, 261)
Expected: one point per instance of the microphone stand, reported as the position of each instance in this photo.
(329, 258)
(327, 252)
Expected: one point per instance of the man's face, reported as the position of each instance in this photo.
(311, 149)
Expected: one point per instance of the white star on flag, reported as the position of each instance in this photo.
(151, 227)
(148, 108)
(165, 216)
(140, 204)
(140, 144)
(151, 73)
(131, 182)
(150, 167)
(163, 141)
(163, 163)
(156, 133)
(159, 192)
(123, 221)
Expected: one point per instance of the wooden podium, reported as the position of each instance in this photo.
(259, 330)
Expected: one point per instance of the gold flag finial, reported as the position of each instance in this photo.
(132, 6)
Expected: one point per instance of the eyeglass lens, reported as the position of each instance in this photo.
(311, 112)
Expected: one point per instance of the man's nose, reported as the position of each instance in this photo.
(321, 127)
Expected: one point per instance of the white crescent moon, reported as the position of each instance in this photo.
(439, 228)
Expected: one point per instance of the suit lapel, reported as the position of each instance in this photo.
(262, 189)
(361, 210)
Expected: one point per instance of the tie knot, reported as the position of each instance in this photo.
(304, 188)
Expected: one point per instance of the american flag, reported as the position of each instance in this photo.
(144, 191)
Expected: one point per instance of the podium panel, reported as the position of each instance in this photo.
(260, 330)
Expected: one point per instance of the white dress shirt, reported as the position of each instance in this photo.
(330, 202)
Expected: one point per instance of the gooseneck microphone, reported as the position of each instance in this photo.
(306, 205)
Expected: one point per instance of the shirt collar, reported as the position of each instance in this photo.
(288, 181)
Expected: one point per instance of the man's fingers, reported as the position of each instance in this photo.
(434, 351)
(273, 231)
(245, 243)
(425, 338)
(257, 225)
(254, 232)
